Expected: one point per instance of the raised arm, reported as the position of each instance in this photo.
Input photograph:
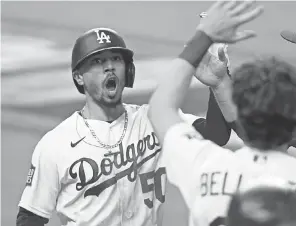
(213, 127)
(213, 72)
(220, 26)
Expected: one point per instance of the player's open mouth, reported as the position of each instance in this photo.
(111, 85)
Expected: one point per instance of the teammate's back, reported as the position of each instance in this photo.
(219, 176)
(273, 163)
(264, 93)
(224, 173)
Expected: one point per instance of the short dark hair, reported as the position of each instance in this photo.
(264, 92)
(263, 206)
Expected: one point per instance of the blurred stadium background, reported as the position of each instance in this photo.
(37, 88)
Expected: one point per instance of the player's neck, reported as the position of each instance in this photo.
(103, 113)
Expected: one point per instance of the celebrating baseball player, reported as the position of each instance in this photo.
(264, 93)
(102, 165)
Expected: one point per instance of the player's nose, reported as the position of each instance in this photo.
(109, 66)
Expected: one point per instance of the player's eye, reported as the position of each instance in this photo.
(97, 61)
(116, 58)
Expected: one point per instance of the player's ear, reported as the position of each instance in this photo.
(77, 76)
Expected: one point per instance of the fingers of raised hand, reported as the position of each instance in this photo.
(241, 8)
(224, 17)
(249, 15)
(243, 35)
(232, 4)
(237, 12)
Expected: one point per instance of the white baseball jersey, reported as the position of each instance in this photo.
(88, 186)
(207, 175)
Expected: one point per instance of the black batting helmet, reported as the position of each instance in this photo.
(97, 40)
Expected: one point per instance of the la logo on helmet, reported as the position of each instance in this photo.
(102, 37)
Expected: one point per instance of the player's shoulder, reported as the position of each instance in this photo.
(183, 130)
(185, 135)
(271, 159)
(190, 118)
(55, 136)
(286, 159)
(223, 157)
(274, 156)
(246, 153)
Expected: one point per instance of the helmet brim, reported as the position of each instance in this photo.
(127, 54)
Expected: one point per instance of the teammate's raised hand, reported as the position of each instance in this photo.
(213, 69)
(224, 18)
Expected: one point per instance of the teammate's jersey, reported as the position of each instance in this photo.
(207, 175)
(274, 163)
(88, 186)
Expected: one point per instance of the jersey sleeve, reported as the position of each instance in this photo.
(42, 185)
(189, 118)
(184, 152)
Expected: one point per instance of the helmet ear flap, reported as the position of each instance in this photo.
(79, 87)
(130, 74)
